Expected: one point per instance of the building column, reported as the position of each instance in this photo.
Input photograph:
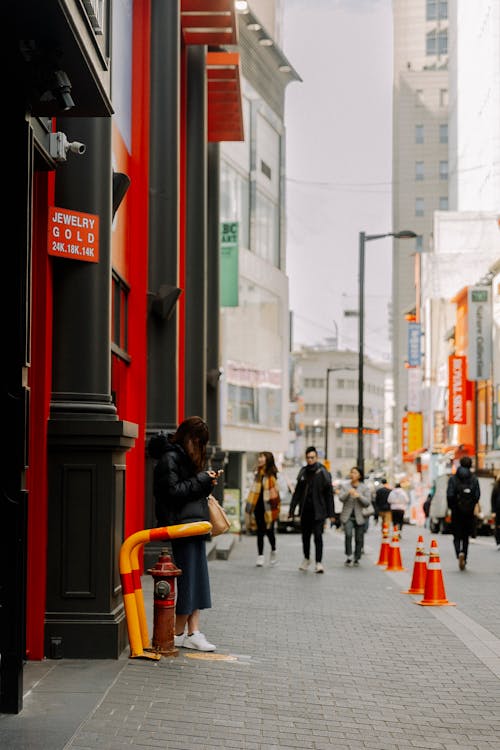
(163, 255)
(87, 442)
(196, 234)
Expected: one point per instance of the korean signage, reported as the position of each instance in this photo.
(414, 401)
(412, 434)
(73, 234)
(456, 390)
(414, 344)
(479, 318)
(229, 264)
(438, 431)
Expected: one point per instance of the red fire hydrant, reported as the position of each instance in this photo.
(164, 574)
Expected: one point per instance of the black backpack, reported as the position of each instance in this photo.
(465, 496)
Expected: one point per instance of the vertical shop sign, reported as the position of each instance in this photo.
(415, 431)
(414, 344)
(404, 439)
(479, 330)
(229, 264)
(456, 390)
(73, 234)
(438, 434)
(414, 389)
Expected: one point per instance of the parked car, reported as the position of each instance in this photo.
(284, 523)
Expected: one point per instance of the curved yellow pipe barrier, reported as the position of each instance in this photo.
(133, 599)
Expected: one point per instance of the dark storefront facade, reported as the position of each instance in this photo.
(112, 121)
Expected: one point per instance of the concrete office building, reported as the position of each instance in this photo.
(420, 159)
(320, 367)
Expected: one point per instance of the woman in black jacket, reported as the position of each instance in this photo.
(181, 487)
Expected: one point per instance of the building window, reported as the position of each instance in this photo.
(419, 206)
(119, 317)
(443, 203)
(235, 200)
(436, 9)
(443, 133)
(443, 97)
(419, 170)
(443, 170)
(265, 229)
(419, 133)
(442, 42)
(419, 245)
(431, 43)
(431, 10)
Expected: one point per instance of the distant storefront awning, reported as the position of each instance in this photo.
(225, 114)
(214, 23)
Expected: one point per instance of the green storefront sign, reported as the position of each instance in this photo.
(229, 264)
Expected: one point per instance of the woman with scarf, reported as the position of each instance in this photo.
(263, 505)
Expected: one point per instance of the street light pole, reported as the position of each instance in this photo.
(405, 234)
(328, 371)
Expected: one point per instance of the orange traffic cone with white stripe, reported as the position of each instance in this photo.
(384, 547)
(434, 593)
(417, 584)
(394, 561)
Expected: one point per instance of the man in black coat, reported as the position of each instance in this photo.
(462, 493)
(313, 496)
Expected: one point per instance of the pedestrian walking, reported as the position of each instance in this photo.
(381, 502)
(495, 509)
(462, 493)
(355, 497)
(398, 502)
(313, 497)
(263, 505)
(181, 487)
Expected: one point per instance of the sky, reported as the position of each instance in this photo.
(338, 167)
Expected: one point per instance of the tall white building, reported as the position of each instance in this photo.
(254, 330)
(420, 160)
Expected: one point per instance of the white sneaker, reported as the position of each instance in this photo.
(179, 640)
(198, 641)
(273, 559)
(260, 561)
(304, 564)
(319, 568)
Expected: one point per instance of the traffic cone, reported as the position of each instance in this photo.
(384, 547)
(394, 561)
(434, 593)
(417, 584)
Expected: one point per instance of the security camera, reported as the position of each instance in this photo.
(76, 147)
(59, 146)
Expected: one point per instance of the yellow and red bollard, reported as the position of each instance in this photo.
(164, 574)
(133, 600)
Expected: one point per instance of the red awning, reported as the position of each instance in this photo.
(211, 22)
(225, 115)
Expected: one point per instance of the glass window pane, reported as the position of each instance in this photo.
(443, 170)
(419, 170)
(419, 133)
(443, 203)
(419, 206)
(431, 43)
(235, 200)
(443, 133)
(431, 10)
(443, 42)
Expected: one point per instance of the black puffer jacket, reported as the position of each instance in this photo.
(180, 491)
(322, 492)
(466, 476)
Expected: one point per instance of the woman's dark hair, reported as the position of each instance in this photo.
(360, 472)
(192, 435)
(269, 467)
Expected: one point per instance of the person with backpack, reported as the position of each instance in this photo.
(462, 493)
